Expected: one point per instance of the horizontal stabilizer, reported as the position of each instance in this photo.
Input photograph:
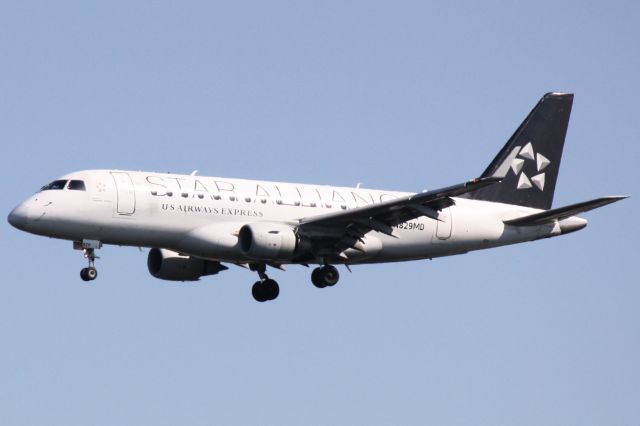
(563, 212)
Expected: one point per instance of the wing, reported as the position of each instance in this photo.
(332, 233)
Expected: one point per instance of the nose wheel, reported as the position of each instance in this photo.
(88, 248)
(89, 274)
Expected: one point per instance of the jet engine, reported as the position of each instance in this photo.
(169, 265)
(268, 241)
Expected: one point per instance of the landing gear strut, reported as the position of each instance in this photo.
(266, 288)
(325, 276)
(88, 248)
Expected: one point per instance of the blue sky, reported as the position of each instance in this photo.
(398, 95)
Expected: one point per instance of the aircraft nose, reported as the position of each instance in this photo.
(19, 216)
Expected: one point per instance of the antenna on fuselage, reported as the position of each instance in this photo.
(193, 173)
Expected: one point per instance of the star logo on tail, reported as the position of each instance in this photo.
(527, 154)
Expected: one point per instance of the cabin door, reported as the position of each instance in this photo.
(126, 194)
(443, 227)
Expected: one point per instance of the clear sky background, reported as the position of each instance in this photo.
(398, 95)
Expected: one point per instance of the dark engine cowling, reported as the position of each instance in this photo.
(268, 241)
(169, 265)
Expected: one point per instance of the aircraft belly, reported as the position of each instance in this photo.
(467, 232)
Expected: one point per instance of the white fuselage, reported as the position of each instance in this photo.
(201, 216)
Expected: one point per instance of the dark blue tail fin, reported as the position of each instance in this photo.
(529, 162)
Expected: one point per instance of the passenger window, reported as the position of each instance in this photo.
(77, 185)
(56, 184)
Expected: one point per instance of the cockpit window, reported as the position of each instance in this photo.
(56, 184)
(77, 185)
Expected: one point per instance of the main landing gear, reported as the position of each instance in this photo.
(325, 276)
(266, 288)
(88, 248)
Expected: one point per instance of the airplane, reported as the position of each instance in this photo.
(193, 224)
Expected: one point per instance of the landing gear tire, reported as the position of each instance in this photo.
(273, 289)
(89, 274)
(88, 248)
(263, 291)
(92, 273)
(258, 292)
(325, 276)
(331, 275)
(317, 278)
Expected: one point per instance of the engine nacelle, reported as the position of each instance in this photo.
(169, 265)
(267, 241)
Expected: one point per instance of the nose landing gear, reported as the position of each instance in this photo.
(88, 248)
